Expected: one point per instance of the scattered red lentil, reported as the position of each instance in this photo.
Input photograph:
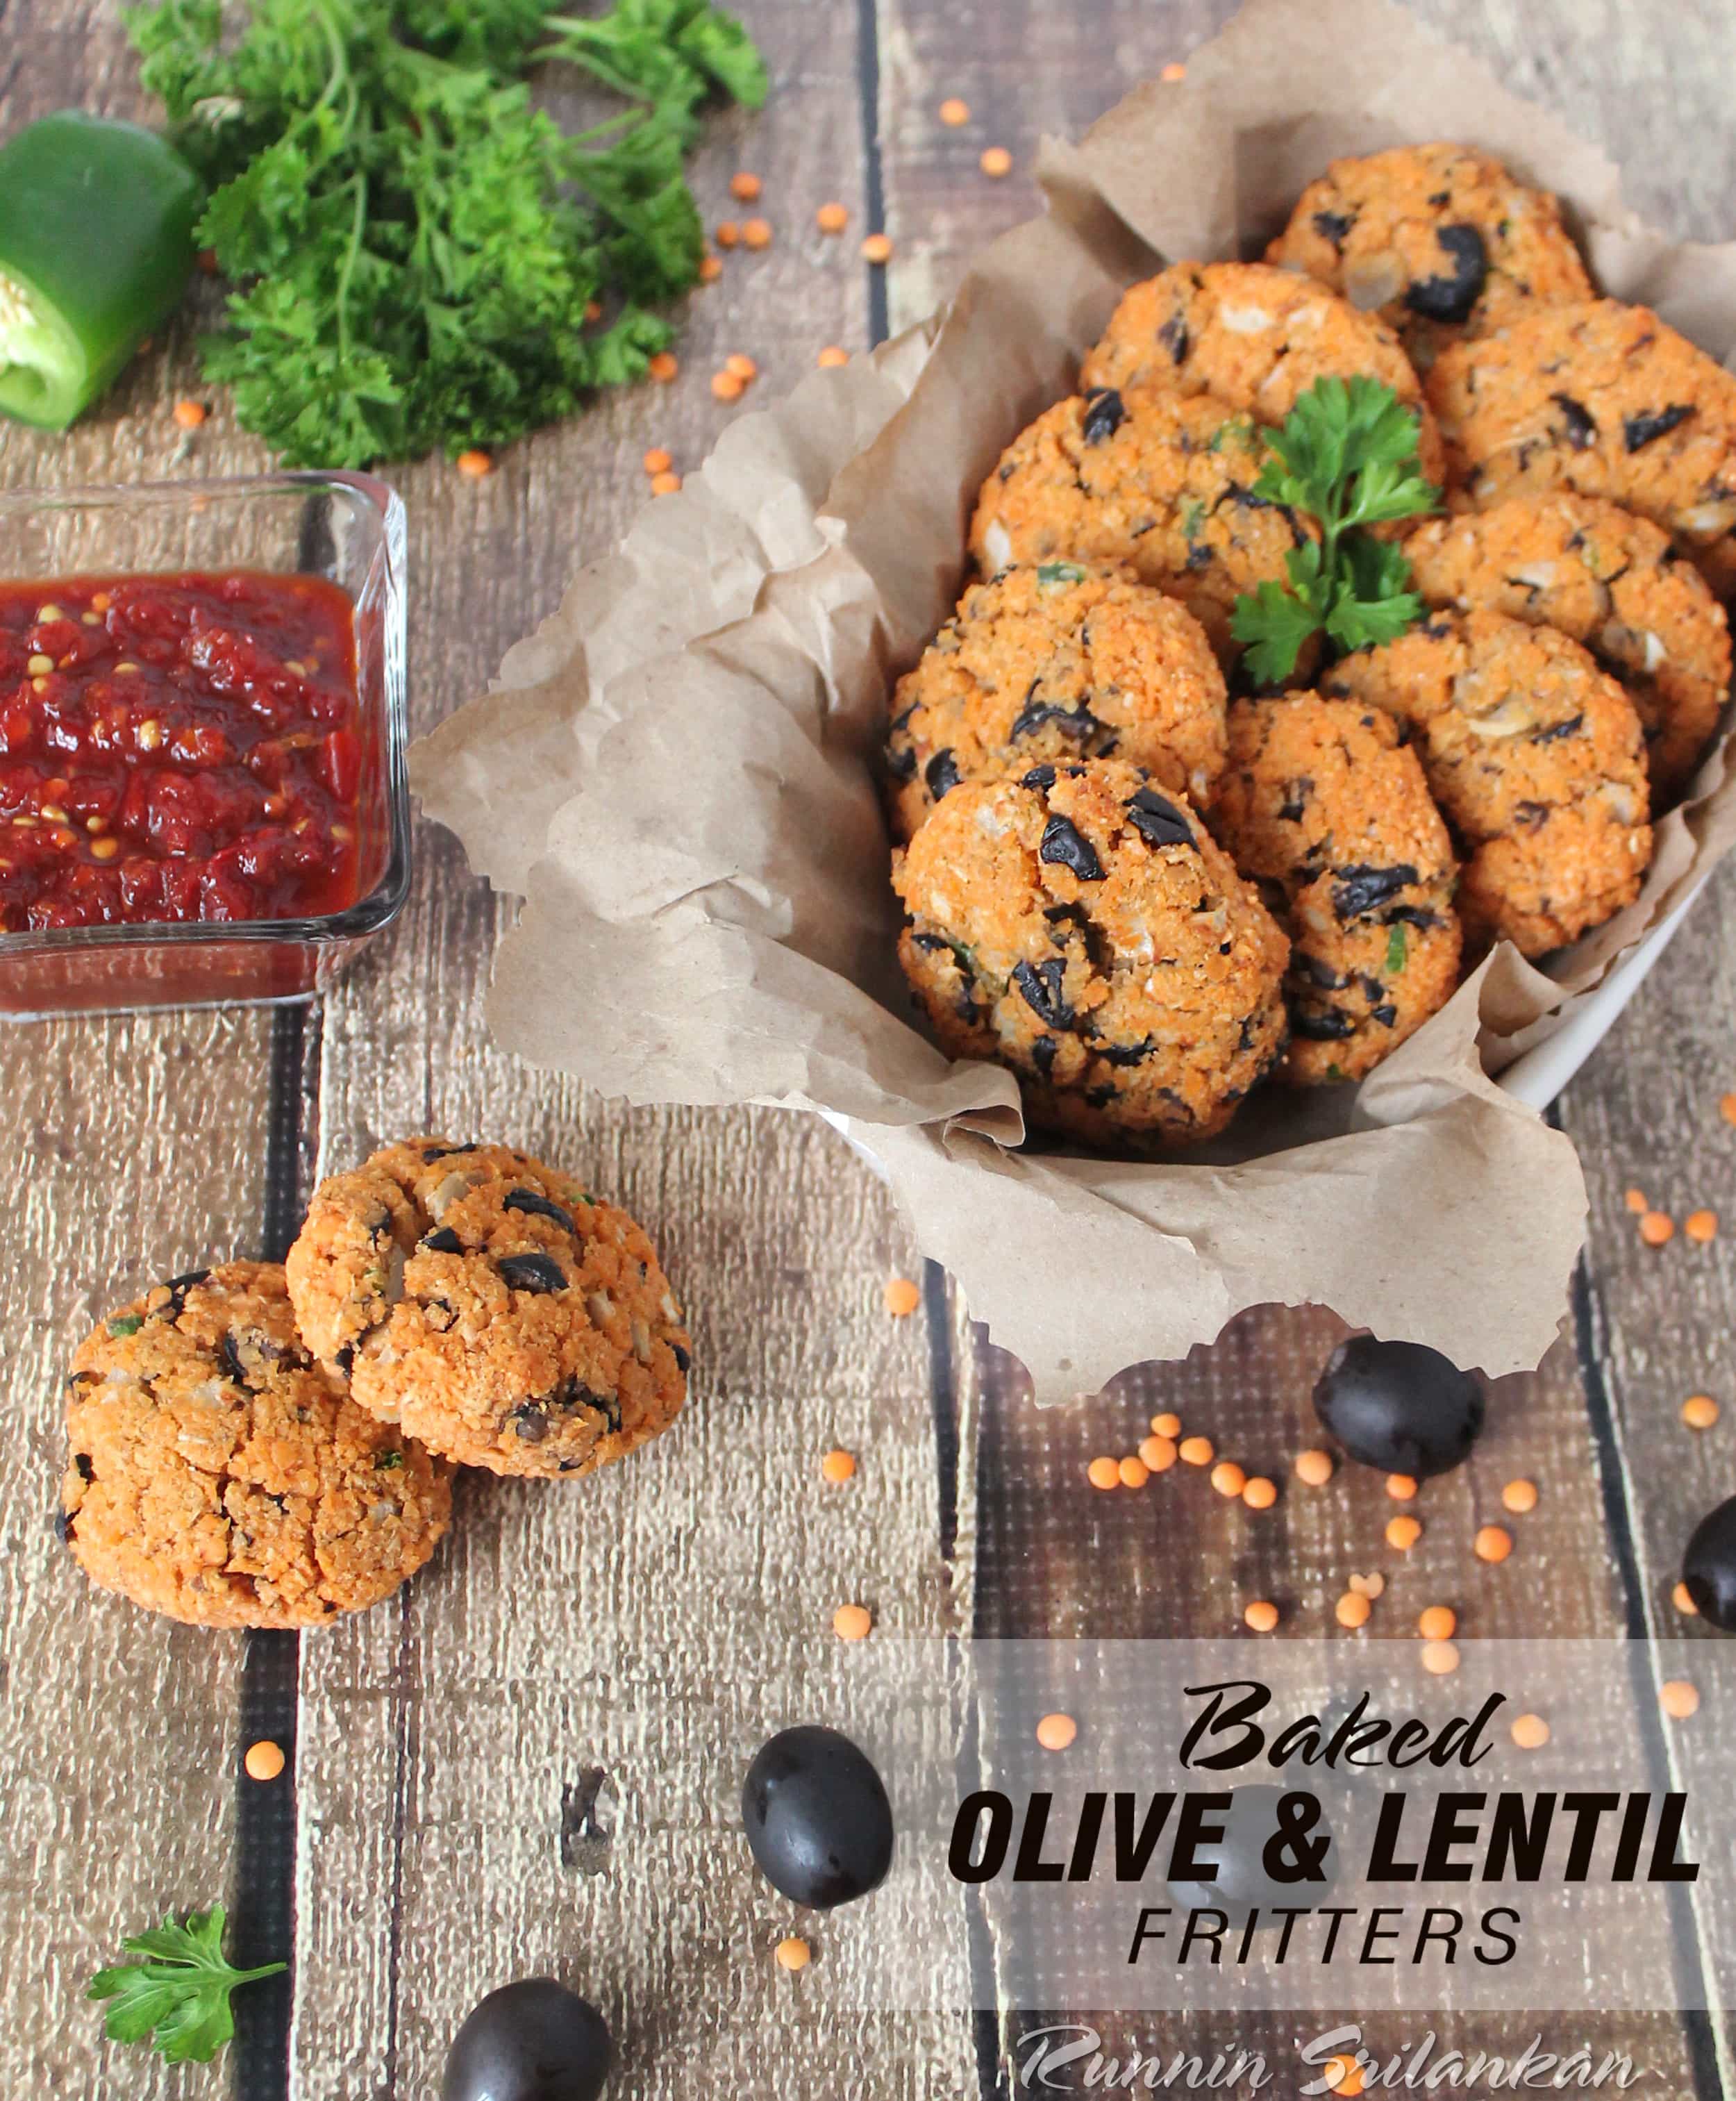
(997, 161)
(663, 367)
(838, 1465)
(1315, 1468)
(793, 1953)
(474, 465)
(1683, 1603)
(1133, 1473)
(1656, 1228)
(1493, 1543)
(1680, 1699)
(831, 217)
(744, 188)
(1166, 1426)
(1173, 73)
(726, 233)
(1055, 1732)
(1158, 1452)
(742, 365)
(876, 248)
(756, 233)
(1368, 1586)
(665, 484)
(1637, 1201)
(852, 1623)
(657, 461)
(711, 268)
(1343, 2075)
(834, 354)
(1701, 1226)
(902, 1296)
(1438, 1623)
(1259, 1493)
(1519, 1497)
(1440, 1658)
(1103, 1473)
(1530, 1732)
(190, 414)
(1228, 1479)
(1351, 1610)
(1261, 1616)
(953, 111)
(1727, 1107)
(727, 386)
(1196, 1451)
(1401, 1487)
(1699, 1411)
(1403, 1532)
(264, 1760)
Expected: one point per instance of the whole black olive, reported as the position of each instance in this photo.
(1708, 1568)
(1242, 1884)
(817, 1817)
(533, 2041)
(1399, 1406)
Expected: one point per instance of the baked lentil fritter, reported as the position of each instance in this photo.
(1535, 756)
(1614, 582)
(1324, 806)
(1163, 482)
(1441, 242)
(217, 1475)
(1252, 337)
(1060, 660)
(1081, 927)
(1605, 400)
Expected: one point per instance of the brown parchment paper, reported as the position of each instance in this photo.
(675, 773)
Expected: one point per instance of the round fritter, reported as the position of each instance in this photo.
(1254, 337)
(1537, 758)
(1057, 662)
(217, 1475)
(502, 1315)
(1163, 482)
(1612, 582)
(1323, 804)
(1605, 400)
(1081, 925)
(1441, 242)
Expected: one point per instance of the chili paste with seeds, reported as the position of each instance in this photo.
(177, 748)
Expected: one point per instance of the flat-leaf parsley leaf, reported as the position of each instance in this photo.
(177, 1996)
(1346, 456)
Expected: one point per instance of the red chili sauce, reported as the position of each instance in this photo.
(177, 748)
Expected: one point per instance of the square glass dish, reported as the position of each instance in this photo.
(347, 528)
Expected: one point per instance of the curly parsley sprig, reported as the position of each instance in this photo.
(1346, 456)
(178, 1996)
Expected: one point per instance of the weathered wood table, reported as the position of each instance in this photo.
(489, 1774)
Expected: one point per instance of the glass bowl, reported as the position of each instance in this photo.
(348, 528)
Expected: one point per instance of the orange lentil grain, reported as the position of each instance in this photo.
(902, 1296)
(657, 461)
(1680, 1699)
(1699, 1411)
(711, 268)
(1701, 1226)
(1438, 1623)
(1196, 1451)
(726, 233)
(838, 1465)
(741, 365)
(1368, 1586)
(1315, 1468)
(1103, 1473)
(1656, 1228)
(1530, 1732)
(664, 484)
(852, 1623)
(878, 248)
(1259, 1493)
(1055, 1732)
(1401, 1487)
(1174, 72)
(744, 188)
(793, 1953)
(1683, 1601)
(1493, 1543)
(1440, 1658)
(1261, 1616)
(1638, 1202)
(756, 233)
(997, 161)
(727, 386)
(474, 465)
(832, 354)
(264, 1760)
(1727, 1107)
(1351, 1610)
(1159, 1454)
(1228, 1479)
(954, 112)
(1166, 1426)
(1132, 1473)
(1403, 1532)
(831, 217)
(190, 414)
(663, 367)
(1519, 1497)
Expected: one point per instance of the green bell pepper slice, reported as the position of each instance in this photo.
(96, 244)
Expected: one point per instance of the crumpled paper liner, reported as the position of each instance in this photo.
(676, 774)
